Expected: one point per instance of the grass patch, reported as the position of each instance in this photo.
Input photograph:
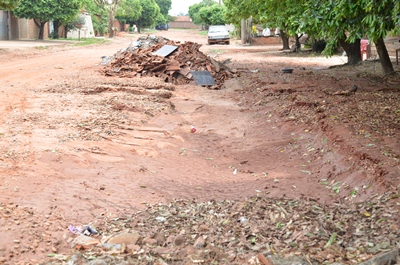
(203, 33)
(89, 41)
(217, 51)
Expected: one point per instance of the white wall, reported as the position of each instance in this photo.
(86, 31)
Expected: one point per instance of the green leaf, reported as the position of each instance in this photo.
(332, 240)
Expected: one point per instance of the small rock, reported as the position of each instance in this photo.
(179, 240)
(98, 262)
(160, 237)
(133, 248)
(84, 242)
(3, 259)
(161, 250)
(204, 228)
(200, 242)
(126, 238)
(150, 241)
(108, 246)
(170, 240)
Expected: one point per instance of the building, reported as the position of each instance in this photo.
(183, 22)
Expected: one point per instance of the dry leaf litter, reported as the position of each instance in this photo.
(251, 231)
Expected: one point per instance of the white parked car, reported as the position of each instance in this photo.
(218, 34)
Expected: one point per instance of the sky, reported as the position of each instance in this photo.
(182, 6)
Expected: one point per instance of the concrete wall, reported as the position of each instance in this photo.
(392, 43)
(3, 25)
(85, 32)
(183, 25)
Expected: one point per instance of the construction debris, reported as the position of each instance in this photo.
(203, 78)
(140, 59)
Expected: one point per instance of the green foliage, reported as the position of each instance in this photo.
(8, 4)
(336, 21)
(161, 20)
(213, 15)
(63, 10)
(194, 11)
(285, 14)
(129, 11)
(150, 11)
(99, 17)
(170, 18)
(165, 6)
(43, 11)
(380, 17)
(90, 41)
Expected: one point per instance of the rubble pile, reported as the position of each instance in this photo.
(139, 60)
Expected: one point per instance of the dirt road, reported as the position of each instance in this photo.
(71, 152)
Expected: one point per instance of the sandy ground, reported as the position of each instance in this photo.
(68, 156)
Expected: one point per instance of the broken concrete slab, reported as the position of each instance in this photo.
(166, 50)
(203, 78)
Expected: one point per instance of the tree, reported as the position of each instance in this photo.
(130, 11)
(346, 22)
(342, 22)
(165, 6)
(161, 20)
(284, 14)
(338, 23)
(43, 11)
(8, 4)
(213, 15)
(148, 17)
(194, 11)
(380, 18)
(99, 17)
(111, 6)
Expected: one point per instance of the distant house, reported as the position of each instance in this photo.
(183, 22)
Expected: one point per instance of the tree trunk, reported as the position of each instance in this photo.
(384, 58)
(66, 29)
(243, 31)
(285, 40)
(138, 26)
(352, 50)
(56, 25)
(298, 44)
(110, 24)
(40, 25)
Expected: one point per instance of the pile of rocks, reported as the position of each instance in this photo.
(139, 60)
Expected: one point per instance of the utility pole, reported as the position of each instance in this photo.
(219, 2)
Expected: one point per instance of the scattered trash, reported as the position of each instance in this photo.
(87, 230)
(193, 129)
(75, 230)
(242, 219)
